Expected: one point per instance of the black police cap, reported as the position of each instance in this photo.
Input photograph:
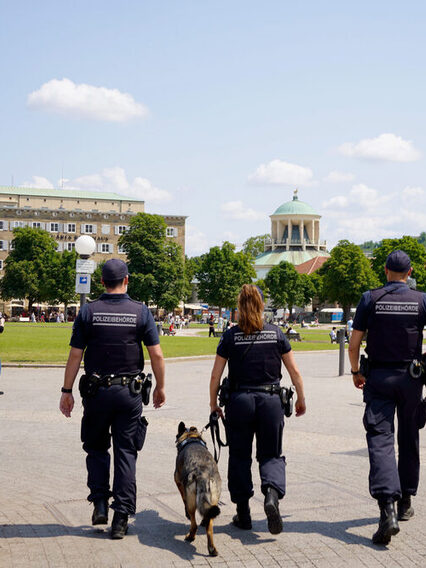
(114, 269)
(398, 261)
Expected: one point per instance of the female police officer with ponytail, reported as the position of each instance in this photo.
(254, 352)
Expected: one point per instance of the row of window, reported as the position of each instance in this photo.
(85, 228)
(54, 227)
(105, 248)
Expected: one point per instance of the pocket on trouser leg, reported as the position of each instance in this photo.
(141, 433)
(91, 437)
(421, 414)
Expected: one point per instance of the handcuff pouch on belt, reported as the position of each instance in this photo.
(364, 366)
(224, 392)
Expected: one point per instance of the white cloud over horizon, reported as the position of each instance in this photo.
(237, 210)
(196, 241)
(109, 180)
(385, 147)
(366, 213)
(85, 101)
(279, 172)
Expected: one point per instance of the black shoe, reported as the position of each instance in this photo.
(100, 512)
(404, 508)
(272, 511)
(119, 525)
(242, 519)
(388, 524)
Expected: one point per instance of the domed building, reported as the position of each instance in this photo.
(295, 238)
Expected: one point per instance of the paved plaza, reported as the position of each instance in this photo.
(328, 514)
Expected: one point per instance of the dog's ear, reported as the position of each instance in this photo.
(181, 428)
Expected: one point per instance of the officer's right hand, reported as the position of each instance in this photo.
(359, 381)
(158, 397)
(300, 406)
(66, 404)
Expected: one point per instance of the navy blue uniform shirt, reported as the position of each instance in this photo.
(111, 330)
(261, 363)
(394, 316)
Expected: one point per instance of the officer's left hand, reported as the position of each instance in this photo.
(359, 381)
(66, 404)
(158, 397)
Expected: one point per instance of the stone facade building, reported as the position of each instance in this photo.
(67, 214)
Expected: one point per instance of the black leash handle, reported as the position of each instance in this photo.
(213, 424)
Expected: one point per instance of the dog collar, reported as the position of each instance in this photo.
(189, 440)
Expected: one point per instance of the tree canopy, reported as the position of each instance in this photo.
(29, 267)
(415, 251)
(156, 264)
(346, 275)
(221, 273)
(255, 245)
(285, 286)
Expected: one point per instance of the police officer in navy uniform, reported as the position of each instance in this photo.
(109, 332)
(394, 316)
(254, 352)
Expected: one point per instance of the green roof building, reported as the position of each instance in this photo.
(295, 237)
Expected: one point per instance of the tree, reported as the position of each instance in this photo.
(221, 274)
(254, 245)
(307, 288)
(156, 264)
(96, 286)
(29, 266)
(61, 283)
(415, 251)
(285, 286)
(346, 275)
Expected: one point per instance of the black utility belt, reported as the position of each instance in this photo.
(268, 388)
(138, 383)
(389, 364)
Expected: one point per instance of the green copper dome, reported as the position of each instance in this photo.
(295, 207)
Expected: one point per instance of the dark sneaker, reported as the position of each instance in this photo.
(272, 511)
(100, 512)
(119, 525)
(388, 524)
(404, 508)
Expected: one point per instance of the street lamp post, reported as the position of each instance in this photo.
(85, 246)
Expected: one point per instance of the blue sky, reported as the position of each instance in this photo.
(218, 110)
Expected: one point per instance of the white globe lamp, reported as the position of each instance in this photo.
(85, 246)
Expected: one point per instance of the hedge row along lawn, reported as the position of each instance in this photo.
(49, 343)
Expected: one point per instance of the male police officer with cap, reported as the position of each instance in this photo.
(394, 316)
(109, 332)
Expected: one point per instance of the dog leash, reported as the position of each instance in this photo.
(213, 424)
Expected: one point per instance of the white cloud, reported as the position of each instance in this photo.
(338, 177)
(413, 191)
(85, 101)
(237, 210)
(38, 182)
(196, 241)
(338, 201)
(278, 172)
(387, 147)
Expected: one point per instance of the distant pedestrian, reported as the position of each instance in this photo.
(211, 325)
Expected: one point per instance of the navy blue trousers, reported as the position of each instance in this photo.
(385, 391)
(113, 412)
(248, 414)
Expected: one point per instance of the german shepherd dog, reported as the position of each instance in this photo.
(198, 481)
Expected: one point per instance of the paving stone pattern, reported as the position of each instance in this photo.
(328, 514)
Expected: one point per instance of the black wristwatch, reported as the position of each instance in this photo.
(355, 372)
(66, 391)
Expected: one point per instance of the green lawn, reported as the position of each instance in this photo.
(48, 343)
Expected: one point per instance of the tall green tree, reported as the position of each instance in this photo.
(255, 245)
(346, 275)
(61, 283)
(415, 250)
(285, 286)
(156, 264)
(29, 266)
(221, 274)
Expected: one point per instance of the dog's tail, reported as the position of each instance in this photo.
(207, 498)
